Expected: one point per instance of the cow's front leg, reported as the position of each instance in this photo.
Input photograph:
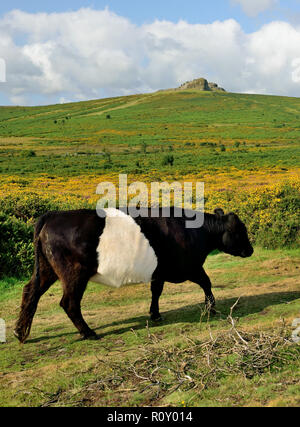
(156, 289)
(204, 281)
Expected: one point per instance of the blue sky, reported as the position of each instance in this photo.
(124, 51)
(141, 11)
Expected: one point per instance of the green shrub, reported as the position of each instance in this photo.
(107, 157)
(284, 227)
(144, 147)
(28, 206)
(272, 215)
(28, 153)
(168, 160)
(16, 247)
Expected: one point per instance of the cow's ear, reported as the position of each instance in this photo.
(219, 212)
(232, 221)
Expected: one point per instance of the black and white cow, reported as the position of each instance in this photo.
(80, 246)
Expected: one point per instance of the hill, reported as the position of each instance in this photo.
(246, 149)
(215, 136)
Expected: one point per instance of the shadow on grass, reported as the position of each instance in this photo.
(191, 314)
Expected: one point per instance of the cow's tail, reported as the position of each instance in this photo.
(31, 291)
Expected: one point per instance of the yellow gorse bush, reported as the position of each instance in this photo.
(271, 212)
(259, 206)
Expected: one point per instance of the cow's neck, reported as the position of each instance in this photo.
(215, 227)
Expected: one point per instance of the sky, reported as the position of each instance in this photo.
(63, 51)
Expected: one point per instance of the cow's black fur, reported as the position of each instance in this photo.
(65, 249)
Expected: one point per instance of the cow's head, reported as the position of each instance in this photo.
(235, 240)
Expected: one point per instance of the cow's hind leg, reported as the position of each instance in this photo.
(42, 279)
(156, 289)
(73, 292)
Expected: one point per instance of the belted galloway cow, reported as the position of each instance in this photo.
(116, 249)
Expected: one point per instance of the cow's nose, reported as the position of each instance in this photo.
(247, 252)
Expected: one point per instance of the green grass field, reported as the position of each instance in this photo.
(187, 360)
(258, 132)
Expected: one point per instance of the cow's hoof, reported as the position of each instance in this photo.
(17, 335)
(211, 311)
(156, 318)
(91, 337)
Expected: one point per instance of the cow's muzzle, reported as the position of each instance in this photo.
(247, 252)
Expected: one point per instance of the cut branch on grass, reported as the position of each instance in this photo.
(233, 327)
(161, 371)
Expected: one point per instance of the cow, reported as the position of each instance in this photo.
(116, 249)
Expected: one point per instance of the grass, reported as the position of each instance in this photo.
(259, 134)
(188, 360)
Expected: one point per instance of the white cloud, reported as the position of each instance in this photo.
(90, 54)
(296, 70)
(2, 71)
(254, 7)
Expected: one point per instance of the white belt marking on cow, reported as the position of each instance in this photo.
(124, 253)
